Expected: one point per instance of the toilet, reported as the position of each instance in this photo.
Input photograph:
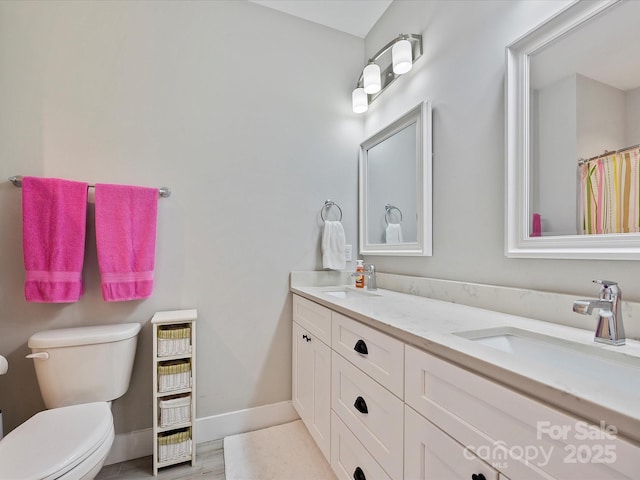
(80, 371)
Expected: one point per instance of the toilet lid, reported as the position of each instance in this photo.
(54, 441)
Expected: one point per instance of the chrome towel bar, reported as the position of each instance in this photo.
(164, 192)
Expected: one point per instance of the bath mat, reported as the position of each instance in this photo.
(283, 452)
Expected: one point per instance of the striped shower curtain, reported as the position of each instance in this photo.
(609, 193)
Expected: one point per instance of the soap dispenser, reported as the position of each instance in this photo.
(360, 277)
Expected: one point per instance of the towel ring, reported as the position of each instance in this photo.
(327, 205)
(387, 213)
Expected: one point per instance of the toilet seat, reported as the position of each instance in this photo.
(53, 442)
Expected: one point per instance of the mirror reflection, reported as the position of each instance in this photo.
(572, 93)
(392, 198)
(585, 128)
(395, 187)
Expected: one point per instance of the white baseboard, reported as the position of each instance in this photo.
(127, 446)
(241, 421)
(139, 443)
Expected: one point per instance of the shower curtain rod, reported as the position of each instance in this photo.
(164, 192)
(607, 152)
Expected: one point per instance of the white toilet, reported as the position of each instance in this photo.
(80, 370)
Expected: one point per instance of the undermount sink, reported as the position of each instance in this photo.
(590, 361)
(347, 292)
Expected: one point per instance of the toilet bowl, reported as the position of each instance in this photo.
(67, 443)
(80, 371)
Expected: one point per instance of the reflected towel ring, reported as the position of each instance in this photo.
(387, 213)
(327, 205)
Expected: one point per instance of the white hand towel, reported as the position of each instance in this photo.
(4, 366)
(333, 246)
(394, 233)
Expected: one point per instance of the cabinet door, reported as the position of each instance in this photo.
(312, 317)
(429, 454)
(311, 384)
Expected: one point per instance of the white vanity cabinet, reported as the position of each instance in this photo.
(389, 410)
(311, 370)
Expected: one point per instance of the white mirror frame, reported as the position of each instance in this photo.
(421, 115)
(519, 243)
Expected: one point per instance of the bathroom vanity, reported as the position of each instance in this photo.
(394, 386)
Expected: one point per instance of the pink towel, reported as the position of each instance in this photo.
(54, 218)
(126, 218)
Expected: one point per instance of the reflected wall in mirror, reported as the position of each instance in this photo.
(395, 187)
(573, 93)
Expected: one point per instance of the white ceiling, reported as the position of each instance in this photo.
(355, 17)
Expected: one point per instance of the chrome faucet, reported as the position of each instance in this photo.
(370, 273)
(610, 328)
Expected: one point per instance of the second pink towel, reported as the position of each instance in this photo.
(126, 218)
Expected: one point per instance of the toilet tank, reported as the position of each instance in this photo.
(84, 364)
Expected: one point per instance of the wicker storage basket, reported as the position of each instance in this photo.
(174, 375)
(175, 411)
(174, 340)
(174, 446)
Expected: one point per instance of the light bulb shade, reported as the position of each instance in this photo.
(359, 100)
(371, 77)
(402, 57)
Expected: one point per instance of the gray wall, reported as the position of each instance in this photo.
(601, 116)
(632, 117)
(243, 111)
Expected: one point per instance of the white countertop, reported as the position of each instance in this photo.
(430, 325)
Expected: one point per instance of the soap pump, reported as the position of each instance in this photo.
(360, 274)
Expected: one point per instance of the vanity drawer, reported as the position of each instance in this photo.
(431, 454)
(384, 360)
(348, 455)
(313, 317)
(492, 419)
(380, 429)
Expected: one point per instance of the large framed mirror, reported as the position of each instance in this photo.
(395, 187)
(573, 129)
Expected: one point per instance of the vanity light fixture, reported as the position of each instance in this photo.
(359, 100)
(405, 50)
(371, 79)
(402, 57)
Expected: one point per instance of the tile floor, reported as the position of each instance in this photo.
(209, 465)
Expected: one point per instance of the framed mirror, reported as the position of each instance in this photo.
(573, 129)
(394, 207)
